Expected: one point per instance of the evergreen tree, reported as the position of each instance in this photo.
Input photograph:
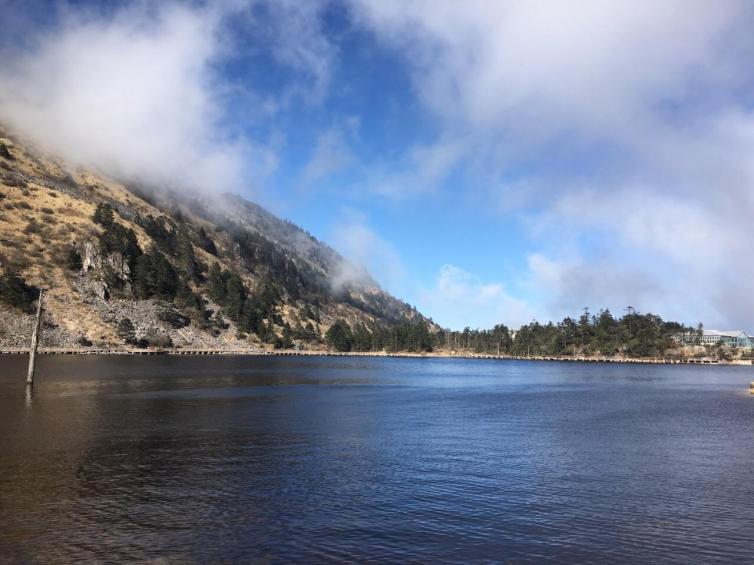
(217, 281)
(185, 254)
(362, 338)
(339, 336)
(188, 301)
(103, 215)
(154, 276)
(235, 295)
(156, 229)
(286, 341)
(116, 238)
(127, 331)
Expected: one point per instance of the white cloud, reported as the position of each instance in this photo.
(459, 298)
(132, 95)
(680, 257)
(136, 90)
(293, 32)
(332, 153)
(567, 286)
(627, 120)
(366, 252)
(592, 65)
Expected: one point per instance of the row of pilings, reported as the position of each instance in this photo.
(291, 353)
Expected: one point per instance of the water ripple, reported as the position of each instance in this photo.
(378, 461)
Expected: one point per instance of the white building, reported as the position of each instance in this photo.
(731, 338)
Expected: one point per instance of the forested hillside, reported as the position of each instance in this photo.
(128, 264)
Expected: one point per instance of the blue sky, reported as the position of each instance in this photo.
(487, 161)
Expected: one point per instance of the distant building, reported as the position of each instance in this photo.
(732, 338)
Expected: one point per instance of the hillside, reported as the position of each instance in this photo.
(126, 265)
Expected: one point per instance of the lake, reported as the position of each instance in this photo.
(277, 459)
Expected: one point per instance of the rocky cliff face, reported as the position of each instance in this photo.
(215, 272)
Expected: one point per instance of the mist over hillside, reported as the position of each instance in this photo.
(133, 263)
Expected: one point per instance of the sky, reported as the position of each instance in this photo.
(487, 161)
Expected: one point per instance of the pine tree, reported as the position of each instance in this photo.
(185, 254)
(339, 336)
(103, 215)
(116, 238)
(362, 338)
(127, 331)
(154, 276)
(217, 280)
(235, 295)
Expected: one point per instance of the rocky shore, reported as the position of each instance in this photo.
(15, 332)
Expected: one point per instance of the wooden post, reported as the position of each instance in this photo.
(34, 343)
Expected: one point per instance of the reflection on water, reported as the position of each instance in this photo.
(321, 459)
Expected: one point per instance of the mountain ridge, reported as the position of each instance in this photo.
(233, 275)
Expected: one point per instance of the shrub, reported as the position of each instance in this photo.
(219, 322)
(70, 212)
(73, 259)
(24, 205)
(48, 211)
(14, 182)
(163, 341)
(32, 227)
(173, 318)
(155, 339)
(84, 341)
(5, 153)
(205, 242)
(69, 181)
(15, 292)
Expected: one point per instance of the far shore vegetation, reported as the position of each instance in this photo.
(634, 334)
(590, 335)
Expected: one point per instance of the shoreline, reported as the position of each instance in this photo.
(409, 355)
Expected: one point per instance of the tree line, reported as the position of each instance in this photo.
(634, 334)
(411, 337)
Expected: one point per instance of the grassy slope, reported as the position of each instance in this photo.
(44, 209)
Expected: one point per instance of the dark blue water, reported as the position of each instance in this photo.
(396, 460)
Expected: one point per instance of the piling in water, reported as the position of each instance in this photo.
(34, 343)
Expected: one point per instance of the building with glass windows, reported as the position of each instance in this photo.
(732, 338)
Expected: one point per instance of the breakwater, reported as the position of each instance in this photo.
(324, 353)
